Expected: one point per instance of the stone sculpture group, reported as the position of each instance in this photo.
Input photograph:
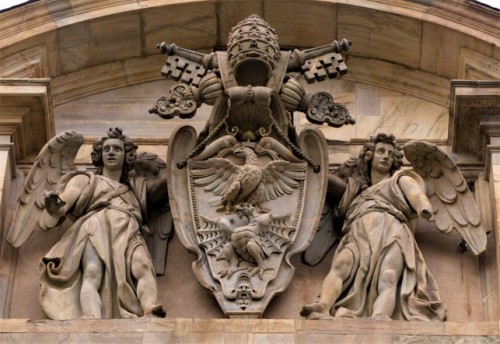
(228, 187)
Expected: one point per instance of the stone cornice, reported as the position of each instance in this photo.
(26, 115)
(475, 121)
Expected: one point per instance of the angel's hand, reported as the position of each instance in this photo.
(54, 204)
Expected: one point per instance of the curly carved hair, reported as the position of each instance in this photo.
(130, 152)
(366, 155)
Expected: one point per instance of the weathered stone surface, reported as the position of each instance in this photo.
(436, 38)
(380, 35)
(237, 331)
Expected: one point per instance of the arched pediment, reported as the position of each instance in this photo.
(91, 46)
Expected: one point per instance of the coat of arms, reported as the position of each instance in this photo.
(247, 192)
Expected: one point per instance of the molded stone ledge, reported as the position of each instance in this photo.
(148, 330)
(26, 115)
(475, 113)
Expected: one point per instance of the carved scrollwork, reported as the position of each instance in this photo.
(182, 101)
(320, 108)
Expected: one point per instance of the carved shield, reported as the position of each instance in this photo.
(244, 208)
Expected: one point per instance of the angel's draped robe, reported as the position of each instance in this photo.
(109, 217)
(378, 218)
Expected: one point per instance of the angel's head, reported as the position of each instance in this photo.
(367, 153)
(115, 143)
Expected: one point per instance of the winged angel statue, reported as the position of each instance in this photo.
(378, 270)
(100, 268)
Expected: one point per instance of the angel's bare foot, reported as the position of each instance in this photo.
(88, 317)
(319, 316)
(316, 307)
(155, 311)
(381, 317)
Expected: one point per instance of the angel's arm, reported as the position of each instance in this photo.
(415, 196)
(70, 195)
(336, 188)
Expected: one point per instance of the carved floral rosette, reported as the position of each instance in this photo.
(244, 246)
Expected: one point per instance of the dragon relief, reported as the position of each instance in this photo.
(246, 192)
(254, 242)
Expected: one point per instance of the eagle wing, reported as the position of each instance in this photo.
(214, 174)
(280, 177)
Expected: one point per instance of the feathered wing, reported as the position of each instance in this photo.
(159, 221)
(280, 177)
(149, 165)
(55, 159)
(453, 204)
(214, 174)
(347, 169)
(329, 227)
(325, 237)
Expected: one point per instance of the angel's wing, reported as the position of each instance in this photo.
(55, 159)
(329, 227)
(159, 222)
(347, 169)
(160, 227)
(326, 235)
(215, 174)
(278, 236)
(280, 177)
(447, 190)
(148, 164)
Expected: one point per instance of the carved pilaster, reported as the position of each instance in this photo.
(7, 173)
(475, 130)
(491, 260)
(26, 123)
